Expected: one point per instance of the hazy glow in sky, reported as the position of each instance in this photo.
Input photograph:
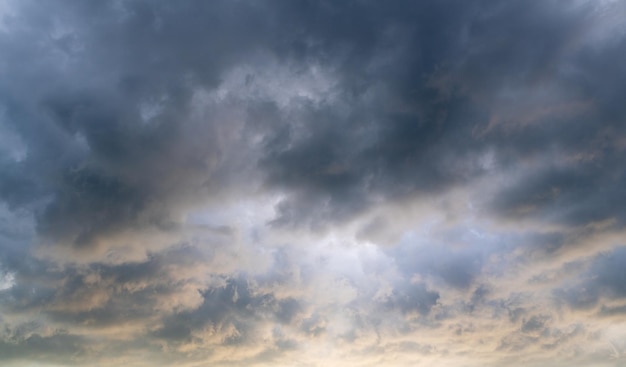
(312, 183)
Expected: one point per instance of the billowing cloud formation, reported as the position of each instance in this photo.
(427, 183)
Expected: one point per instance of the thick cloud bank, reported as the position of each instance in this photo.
(305, 183)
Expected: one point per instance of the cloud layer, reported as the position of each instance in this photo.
(433, 183)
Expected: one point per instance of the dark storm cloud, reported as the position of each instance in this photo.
(389, 141)
(112, 143)
(586, 188)
(448, 89)
(119, 119)
(101, 97)
(577, 195)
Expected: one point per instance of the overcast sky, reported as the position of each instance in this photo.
(313, 183)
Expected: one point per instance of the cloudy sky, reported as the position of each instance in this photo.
(313, 183)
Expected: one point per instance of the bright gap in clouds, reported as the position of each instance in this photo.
(292, 183)
(7, 281)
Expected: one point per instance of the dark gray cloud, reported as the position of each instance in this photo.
(112, 141)
(449, 90)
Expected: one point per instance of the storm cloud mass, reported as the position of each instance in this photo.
(312, 183)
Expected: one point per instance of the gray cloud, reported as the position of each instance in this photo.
(242, 182)
(52, 348)
(458, 268)
(413, 298)
(117, 107)
(110, 140)
(603, 280)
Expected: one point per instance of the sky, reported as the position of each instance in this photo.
(306, 183)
